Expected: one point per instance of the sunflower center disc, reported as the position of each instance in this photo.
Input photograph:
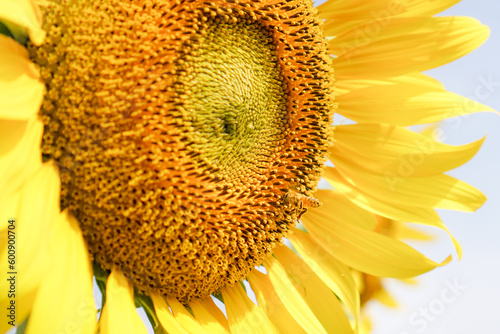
(181, 128)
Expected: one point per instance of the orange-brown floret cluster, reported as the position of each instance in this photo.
(180, 127)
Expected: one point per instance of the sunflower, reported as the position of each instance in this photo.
(167, 149)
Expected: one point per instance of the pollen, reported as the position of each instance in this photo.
(180, 128)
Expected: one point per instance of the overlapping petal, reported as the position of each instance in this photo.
(67, 289)
(25, 14)
(243, 315)
(119, 314)
(204, 310)
(405, 100)
(166, 318)
(344, 14)
(268, 299)
(20, 155)
(405, 45)
(335, 274)
(35, 220)
(292, 278)
(389, 150)
(21, 91)
(365, 250)
(184, 318)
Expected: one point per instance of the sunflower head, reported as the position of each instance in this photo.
(181, 128)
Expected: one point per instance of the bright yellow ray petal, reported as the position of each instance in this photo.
(290, 273)
(406, 231)
(368, 202)
(291, 297)
(405, 45)
(65, 300)
(209, 305)
(20, 153)
(269, 300)
(322, 301)
(343, 209)
(37, 212)
(243, 315)
(342, 15)
(365, 326)
(21, 91)
(384, 149)
(205, 318)
(434, 191)
(166, 318)
(367, 251)
(378, 206)
(119, 314)
(184, 318)
(403, 101)
(333, 273)
(25, 14)
(385, 298)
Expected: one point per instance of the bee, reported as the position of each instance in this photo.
(300, 203)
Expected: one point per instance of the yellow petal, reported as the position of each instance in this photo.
(268, 299)
(166, 318)
(37, 213)
(20, 154)
(390, 150)
(380, 207)
(290, 273)
(243, 315)
(343, 209)
(405, 231)
(291, 297)
(434, 191)
(341, 15)
(365, 326)
(184, 318)
(333, 273)
(21, 91)
(119, 314)
(406, 100)
(202, 311)
(367, 251)
(405, 45)
(26, 14)
(385, 298)
(65, 300)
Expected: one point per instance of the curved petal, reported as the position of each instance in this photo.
(384, 149)
(320, 299)
(35, 221)
(433, 191)
(202, 311)
(184, 318)
(332, 272)
(166, 318)
(367, 251)
(381, 207)
(243, 315)
(20, 154)
(342, 15)
(291, 297)
(405, 45)
(403, 101)
(119, 314)
(26, 14)
(268, 299)
(21, 91)
(67, 289)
